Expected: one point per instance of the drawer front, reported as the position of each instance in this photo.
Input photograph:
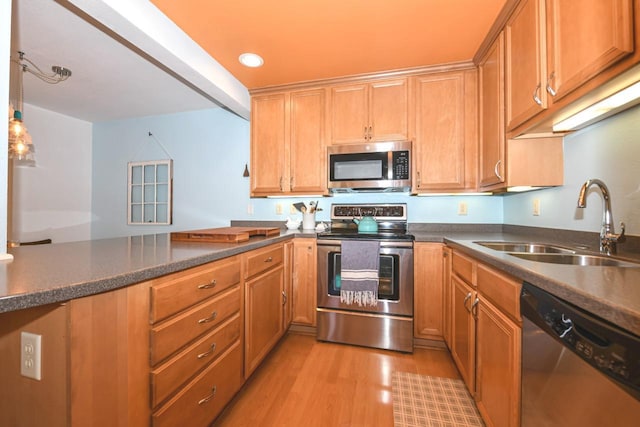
(169, 336)
(174, 293)
(172, 374)
(263, 259)
(197, 402)
(464, 267)
(502, 290)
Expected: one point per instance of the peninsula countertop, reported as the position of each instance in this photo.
(46, 274)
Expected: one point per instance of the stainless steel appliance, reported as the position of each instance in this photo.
(373, 167)
(389, 325)
(577, 369)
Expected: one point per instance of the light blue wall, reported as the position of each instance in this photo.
(209, 149)
(608, 150)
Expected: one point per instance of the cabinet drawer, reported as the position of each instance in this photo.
(169, 336)
(174, 293)
(502, 290)
(206, 395)
(169, 376)
(263, 259)
(464, 267)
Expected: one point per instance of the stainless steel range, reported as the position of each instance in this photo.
(389, 324)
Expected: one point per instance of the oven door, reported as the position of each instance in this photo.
(395, 290)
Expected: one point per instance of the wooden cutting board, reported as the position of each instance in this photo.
(224, 234)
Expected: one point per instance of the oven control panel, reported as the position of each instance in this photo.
(384, 212)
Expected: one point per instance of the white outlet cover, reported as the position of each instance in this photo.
(31, 355)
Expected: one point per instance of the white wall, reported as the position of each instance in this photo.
(53, 199)
(5, 52)
(608, 150)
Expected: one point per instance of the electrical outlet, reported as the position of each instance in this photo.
(31, 355)
(462, 208)
(536, 207)
(250, 209)
(278, 208)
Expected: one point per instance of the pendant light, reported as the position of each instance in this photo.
(21, 149)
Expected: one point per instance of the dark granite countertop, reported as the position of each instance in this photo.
(612, 293)
(45, 274)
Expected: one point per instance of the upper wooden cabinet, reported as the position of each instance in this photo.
(372, 111)
(585, 37)
(288, 150)
(491, 115)
(525, 52)
(446, 137)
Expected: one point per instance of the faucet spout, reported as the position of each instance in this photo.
(608, 238)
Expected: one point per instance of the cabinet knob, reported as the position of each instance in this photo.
(209, 397)
(270, 259)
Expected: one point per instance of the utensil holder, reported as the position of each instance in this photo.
(309, 221)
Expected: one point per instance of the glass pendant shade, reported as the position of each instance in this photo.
(20, 146)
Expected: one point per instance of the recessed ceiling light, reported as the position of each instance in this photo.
(251, 60)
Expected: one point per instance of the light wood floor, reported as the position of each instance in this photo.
(306, 383)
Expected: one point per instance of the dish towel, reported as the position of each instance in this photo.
(359, 272)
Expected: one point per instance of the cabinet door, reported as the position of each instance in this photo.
(288, 284)
(492, 131)
(268, 132)
(447, 295)
(585, 37)
(349, 115)
(305, 282)
(388, 110)
(525, 60)
(445, 131)
(463, 331)
(264, 316)
(498, 367)
(428, 293)
(308, 157)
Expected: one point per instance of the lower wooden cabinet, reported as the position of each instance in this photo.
(428, 288)
(463, 331)
(265, 302)
(305, 282)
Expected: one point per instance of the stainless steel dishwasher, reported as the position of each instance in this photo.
(577, 369)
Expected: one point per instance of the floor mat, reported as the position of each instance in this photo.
(425, 401)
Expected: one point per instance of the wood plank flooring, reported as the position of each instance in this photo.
(305, 383)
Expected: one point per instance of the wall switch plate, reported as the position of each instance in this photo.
(250, 209)
(278, 208)
(462, 208)
(31, 355)
(536, 207)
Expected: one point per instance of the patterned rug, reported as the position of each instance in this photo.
(425, 401)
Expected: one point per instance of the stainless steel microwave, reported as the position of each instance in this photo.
(370, 167)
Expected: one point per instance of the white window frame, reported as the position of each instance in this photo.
(149, 193)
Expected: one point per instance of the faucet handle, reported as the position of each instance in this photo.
(615, 238)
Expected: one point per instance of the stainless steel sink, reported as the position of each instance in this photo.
(575, 259)
(523, 247)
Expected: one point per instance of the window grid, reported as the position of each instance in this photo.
(149, 192)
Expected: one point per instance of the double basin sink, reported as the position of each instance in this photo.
(555, 254)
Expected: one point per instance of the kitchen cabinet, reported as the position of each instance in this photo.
(428, 291)
(525, 61)
(305, 282)
(491, 116)
(446, 135)
(371, 111)
(486, 337)
(463, 322)
(265, 300)
(288, 149)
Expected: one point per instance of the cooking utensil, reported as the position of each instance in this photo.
(300, 207)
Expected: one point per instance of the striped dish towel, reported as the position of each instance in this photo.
(360, 261)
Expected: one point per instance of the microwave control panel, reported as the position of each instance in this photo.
(400, 165)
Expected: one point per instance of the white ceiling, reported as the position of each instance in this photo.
(109, 81)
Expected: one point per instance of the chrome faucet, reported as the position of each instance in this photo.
(608, 237)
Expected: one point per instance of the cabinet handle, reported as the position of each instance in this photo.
(370, 132)
(551, 90)
(364, 132)
(270, 259)
(284, 297)
(209, 285)
(536, 97)
(210, 318)
(474, 307)
(496, 170)
(418, 179)
(467, 298)
(207, 353)
(291, 183)
(281, 182)
(209, 397)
